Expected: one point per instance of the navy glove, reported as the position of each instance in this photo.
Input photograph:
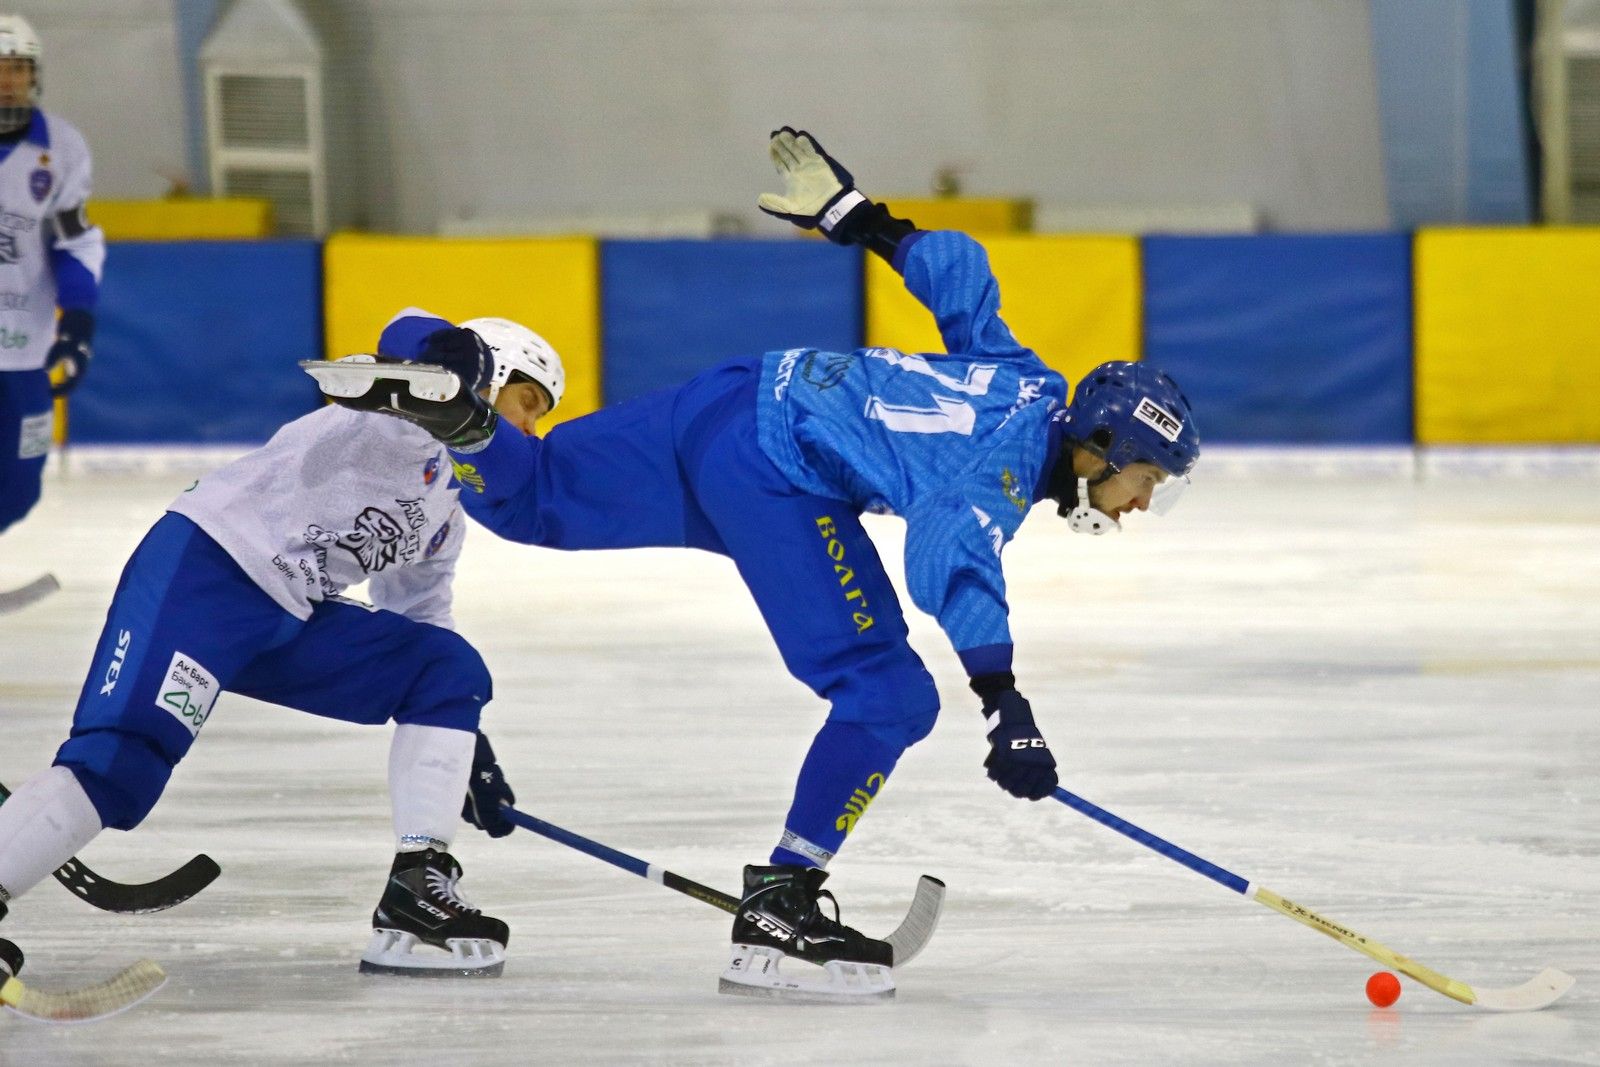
(463, 353)
(486, 791)
(1019, 759)
(73, 349)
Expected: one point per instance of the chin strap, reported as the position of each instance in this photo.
(1072, 498)
(1085, 518)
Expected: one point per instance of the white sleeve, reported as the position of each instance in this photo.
(422, 592)
(73, 232)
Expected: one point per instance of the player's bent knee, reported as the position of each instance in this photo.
(452, 685)
(898, 706)
(123, 774)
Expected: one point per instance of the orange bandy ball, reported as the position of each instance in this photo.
(1383, 989)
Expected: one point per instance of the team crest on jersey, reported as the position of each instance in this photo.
(436, 542)
(430, 471)
(1011, 486)
(826, 369)
(40, 181)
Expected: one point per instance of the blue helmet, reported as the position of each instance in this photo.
(1133, 413)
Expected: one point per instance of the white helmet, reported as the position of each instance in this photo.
(17, 40)
(518, 350)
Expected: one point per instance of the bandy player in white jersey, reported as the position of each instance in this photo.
(50, 257)
(237, 588)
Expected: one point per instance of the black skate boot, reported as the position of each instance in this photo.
(421, 905)
(780, 918)
(10, 955)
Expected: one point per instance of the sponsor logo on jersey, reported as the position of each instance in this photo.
(1158, 418)
(1011, 486)
(430, 470)
(40, 181)
(436, 542)
(826, 369)
(187, 692)
(118, 657)
(854, 598)
(858, 803)
(780, 383)
(8, 247)
(1029, 391)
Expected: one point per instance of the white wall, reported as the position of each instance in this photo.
(111, 69)
(506, 109)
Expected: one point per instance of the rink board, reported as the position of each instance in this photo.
(548, 284)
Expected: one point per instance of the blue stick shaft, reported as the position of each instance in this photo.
(632, 864)
(1151, 841)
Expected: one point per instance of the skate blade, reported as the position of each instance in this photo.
(353, 376)
(757, 971)
(391, 952)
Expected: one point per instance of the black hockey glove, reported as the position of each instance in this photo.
(73, 350)
(1019, 759)
(409, 391)
(820, 194)
(486, 791)
(462, 352)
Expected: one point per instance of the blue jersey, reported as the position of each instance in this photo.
(958, 444)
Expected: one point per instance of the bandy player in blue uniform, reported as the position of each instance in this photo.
(50, 257)
(772, 460)
(239, 588)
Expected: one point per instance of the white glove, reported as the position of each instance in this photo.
(818, 192)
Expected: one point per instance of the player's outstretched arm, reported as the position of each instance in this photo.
(819, 194)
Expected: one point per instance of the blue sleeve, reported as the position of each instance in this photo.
(495, 483)
(403, 337)
(949, 272)
(76, 288)
(953, 573)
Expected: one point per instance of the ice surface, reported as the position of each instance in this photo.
(1380, 699)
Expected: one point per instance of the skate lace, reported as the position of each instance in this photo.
(818, 918)
(446, 887)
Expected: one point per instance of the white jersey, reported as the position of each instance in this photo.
(336, 498)
(44, 182)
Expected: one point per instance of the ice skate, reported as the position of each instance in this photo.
(10, 955)
(784, 946)
(422, 910)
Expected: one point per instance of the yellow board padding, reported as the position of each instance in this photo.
(1507, 336)
(183, 218)
(969, 214)
(550, 285)
(1075, 300)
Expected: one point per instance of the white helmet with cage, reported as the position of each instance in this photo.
(18, 41)
(518, 350)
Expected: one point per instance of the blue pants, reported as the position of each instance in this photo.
(186, 624)
(685, 467)
(25, 429)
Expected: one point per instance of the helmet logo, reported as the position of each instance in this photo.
(1159, 419)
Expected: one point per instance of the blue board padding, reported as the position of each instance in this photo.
(1285, 339)
(670, 309)
(196, 342)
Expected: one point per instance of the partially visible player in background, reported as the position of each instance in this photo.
(771, 460)
(50, 257)
(239, 588)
